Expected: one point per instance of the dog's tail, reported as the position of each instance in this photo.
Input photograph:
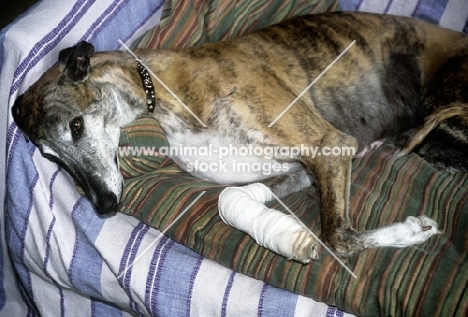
(431, 122)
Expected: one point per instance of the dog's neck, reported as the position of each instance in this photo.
(120, 79)
(125, 83)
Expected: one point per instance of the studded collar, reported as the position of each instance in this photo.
(148, 86)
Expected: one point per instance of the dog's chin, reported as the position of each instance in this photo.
(105, 213)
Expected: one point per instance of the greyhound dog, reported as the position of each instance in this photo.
(238, 92)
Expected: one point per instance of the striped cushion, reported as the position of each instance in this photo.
(424, 280)
(189, 23)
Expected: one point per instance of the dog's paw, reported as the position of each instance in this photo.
(304, 247)
(417, 230)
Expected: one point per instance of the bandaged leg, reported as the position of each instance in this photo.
(243, 208)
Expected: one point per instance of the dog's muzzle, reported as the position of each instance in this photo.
(107, 203)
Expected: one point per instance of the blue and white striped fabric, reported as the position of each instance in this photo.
(68, 261)
(451, 14)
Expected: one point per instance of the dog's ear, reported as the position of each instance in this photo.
(74, 61)
(19, 116)
(28, 114)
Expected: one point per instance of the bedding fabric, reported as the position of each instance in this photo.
(27, 48)
(67, 260)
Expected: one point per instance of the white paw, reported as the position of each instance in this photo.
(417, 230)
(304, 247)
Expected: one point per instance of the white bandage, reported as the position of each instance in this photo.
(243, 208)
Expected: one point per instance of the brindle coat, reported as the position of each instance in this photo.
(237, 88)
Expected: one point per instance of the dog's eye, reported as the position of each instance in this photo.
(76, 125)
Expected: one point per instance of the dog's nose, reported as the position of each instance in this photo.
(107, 204)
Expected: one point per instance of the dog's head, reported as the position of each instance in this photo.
(63, 115)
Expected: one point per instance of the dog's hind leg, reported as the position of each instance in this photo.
(333, 175)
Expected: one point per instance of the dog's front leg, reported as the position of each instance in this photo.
(243, 208)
